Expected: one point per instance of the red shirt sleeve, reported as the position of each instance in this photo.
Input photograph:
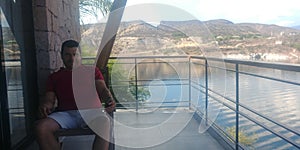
(98, 74)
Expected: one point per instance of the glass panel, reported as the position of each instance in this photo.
(12, 65)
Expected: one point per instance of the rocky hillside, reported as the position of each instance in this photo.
(219, 38)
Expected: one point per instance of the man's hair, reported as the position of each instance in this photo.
(69, 44)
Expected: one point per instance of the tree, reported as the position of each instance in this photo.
(95, 8)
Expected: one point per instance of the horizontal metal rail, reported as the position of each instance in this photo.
(258, 123)
(143, 57)
(284, 67)
(255, 75)
(279, 66)
(253, 111)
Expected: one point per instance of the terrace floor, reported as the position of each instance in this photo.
(153, 130)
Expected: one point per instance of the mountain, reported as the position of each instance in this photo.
(193, 37)
(296, 27)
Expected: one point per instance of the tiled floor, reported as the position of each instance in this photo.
(158, 130)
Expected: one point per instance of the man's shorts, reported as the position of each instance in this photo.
(76, 118)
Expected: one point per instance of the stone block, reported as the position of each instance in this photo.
(53, 7)
(39, 3)
(42, 39)
(55, 60)
(54, 23)
(43, 59)
(40, 18)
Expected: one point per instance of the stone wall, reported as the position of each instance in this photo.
(54, 22)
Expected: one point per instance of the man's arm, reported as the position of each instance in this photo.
(105, 95)
(47, 105)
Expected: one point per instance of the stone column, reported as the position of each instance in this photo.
(54, 22)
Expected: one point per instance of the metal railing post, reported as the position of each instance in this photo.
(237, 108)
(206, 90)
(190, 92)
(136, 88)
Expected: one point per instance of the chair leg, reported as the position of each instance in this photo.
(112, 138)
(61, 146)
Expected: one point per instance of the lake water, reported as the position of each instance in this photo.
(276, 100)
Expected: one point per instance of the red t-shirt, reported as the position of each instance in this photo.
(75, 89)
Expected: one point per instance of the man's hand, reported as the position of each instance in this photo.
(110, 106)
(46, 106)
(105, 96)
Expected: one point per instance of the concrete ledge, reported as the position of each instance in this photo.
(213, 131)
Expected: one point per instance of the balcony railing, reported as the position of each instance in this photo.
(250, 104)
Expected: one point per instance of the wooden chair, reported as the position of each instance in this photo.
(85, 131)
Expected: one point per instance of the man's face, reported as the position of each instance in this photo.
(71, 57)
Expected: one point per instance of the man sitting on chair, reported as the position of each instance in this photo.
(79, 91)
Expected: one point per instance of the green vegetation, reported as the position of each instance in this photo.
(296, 45)
(178, 35)
(142, 93)
(88, 52)
(237, 37)
(93, 7)
(251, 36)
(244, 138)
(124, 90)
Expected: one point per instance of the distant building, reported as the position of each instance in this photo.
(278, 42)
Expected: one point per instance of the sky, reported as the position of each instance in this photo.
(279, 12)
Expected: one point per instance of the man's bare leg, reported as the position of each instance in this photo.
(102, 138)
(100, 144)
(44, 130)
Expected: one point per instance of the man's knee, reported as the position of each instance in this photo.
(44, 126)
(101, 125)
(103, 121)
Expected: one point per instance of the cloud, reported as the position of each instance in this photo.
(281, 12)
(260, 11)
(286, 23)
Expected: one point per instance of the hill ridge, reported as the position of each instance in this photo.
(185, 37)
